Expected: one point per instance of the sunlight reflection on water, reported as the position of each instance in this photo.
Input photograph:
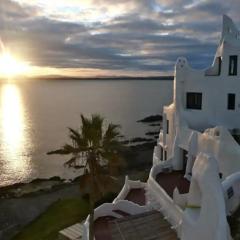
(34, 116)
(14, 137)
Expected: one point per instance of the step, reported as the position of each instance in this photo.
(146, 226)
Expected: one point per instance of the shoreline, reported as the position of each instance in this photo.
(40, 186)
(21, 203)
(131, 150)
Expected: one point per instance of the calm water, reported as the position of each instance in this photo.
(34, 117)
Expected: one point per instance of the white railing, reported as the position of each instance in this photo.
(107, 209)
(128, 185)
(159, 167)
(156, 155)
(161, 136)
(119, 203)
(172, 212)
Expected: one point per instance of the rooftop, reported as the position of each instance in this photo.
(102, 226)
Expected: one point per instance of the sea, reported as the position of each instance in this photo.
(35, 115)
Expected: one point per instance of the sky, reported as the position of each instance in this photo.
(113, 37)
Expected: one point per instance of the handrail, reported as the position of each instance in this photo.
(128, 185)
(172, 212)
(107, 209)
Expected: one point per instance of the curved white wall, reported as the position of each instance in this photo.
(205, 218)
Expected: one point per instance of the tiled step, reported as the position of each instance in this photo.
(146, 226)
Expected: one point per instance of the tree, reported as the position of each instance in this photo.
(95, 149)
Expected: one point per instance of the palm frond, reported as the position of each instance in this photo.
(86, 128)
(97, 129)
(111, 137)
(77, 138)
(74, 163)
(65, 150)
(95, 151)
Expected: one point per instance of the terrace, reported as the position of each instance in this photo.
(144, 226)
(103, 225)
(170, 180)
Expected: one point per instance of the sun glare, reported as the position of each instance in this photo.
(11, 66)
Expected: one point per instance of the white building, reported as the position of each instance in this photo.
(204, 99)
(194, 182)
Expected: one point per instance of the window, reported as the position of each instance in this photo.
(230, 192)
(219, 65)
(167, 126)
(233, 61)
(231, 101)
(194, 100)
(165, 154)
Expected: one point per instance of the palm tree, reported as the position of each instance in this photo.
(94, 149)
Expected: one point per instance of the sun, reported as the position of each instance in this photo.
(10, 66)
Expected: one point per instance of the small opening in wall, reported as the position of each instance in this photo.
(167, 126)
(165, 154)
(233, 62)
(161, 152)
(219, 65)
(230, 192)
(231, 101)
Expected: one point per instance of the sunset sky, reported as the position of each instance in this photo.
(112, 37)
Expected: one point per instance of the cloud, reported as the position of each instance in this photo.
(128, 36)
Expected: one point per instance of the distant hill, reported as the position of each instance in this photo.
(106, 78)
(55, 77)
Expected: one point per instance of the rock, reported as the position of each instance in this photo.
(155, 125)
(152, 118)
(152, 133)
(139, 139)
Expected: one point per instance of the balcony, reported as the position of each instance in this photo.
(170, 180)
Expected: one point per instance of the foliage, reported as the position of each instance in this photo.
(58, 216)
(95, 150)
(107, 198)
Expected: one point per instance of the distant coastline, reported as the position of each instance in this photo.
(108, 78)
(160, 78)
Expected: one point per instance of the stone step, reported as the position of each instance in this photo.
(146, 226)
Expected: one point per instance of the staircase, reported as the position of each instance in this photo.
(159, 200)
(145, 226)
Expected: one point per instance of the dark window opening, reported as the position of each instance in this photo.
(184, 158)
(167, 126)
(230, 192)
(219, 65)
(161, 152)
(165, 153)
(233, 62)
(231, 101)
(194, 100)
